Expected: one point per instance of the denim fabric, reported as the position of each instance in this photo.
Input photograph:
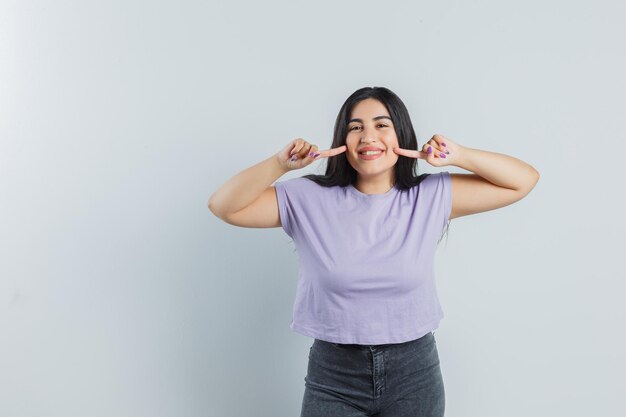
(393, 380)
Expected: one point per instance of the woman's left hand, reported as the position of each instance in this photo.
(439, 151)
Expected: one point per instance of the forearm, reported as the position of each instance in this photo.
(499, 169)
(244, 188)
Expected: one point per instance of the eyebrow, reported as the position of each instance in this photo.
(374, 119)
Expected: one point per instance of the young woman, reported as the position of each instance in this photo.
(366, 234)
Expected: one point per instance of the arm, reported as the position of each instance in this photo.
(499, 169)
(249, 200)
(246, 187)
(497, 181)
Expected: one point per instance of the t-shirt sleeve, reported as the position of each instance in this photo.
(445, 190)
(440, 185)
(287, 196)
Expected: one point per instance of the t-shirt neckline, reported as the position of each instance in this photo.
(354, 191)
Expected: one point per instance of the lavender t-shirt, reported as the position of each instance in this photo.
(365, 261)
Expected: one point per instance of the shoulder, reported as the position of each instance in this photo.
(294, 180)
(297, 183)
(438, 176)
(301, 188)
(436, 180)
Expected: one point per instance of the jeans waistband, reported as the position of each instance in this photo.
(357, 346)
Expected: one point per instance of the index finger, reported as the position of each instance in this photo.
(412, 153)
(332, 152)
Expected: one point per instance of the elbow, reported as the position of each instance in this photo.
(218, 212)
(217, 208)
(530, 184)
(535, 179)
(213, 208)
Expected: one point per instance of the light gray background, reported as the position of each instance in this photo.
(122, 295)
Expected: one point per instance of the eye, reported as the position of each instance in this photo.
(380, 124)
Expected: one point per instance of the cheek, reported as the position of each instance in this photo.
(391, 144)
(393, 141)
(352, 147)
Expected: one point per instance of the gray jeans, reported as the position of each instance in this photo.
(394, 380)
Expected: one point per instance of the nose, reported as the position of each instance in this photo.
(363, 140)
(368, 135)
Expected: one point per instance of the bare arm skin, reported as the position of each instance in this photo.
(249, 200)
(246, 187)
(497, 180)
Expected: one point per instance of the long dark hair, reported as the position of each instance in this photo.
(340, 172)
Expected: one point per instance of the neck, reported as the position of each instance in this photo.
(373, 185)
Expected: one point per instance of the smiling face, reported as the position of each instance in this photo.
(370, 126)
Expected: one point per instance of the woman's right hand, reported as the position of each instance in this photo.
(300, 153)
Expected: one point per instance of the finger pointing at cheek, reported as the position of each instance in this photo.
(410, 153)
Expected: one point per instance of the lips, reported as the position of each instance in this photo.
(370, 148)
(379, 153)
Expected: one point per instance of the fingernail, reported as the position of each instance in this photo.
(430, 150)
(316, 155)
(441, 154)
(448, 152)
(443, 144)
(294, 158)
(312, 153)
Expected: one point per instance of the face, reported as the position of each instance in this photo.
(374, 128)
